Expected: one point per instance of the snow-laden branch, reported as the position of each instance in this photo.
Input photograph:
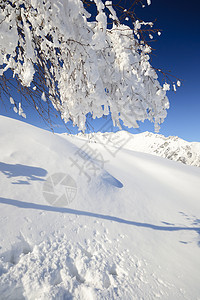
(86, 66)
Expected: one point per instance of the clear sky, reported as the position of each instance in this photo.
(177, 50)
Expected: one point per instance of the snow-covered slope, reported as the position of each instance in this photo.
(172, 147)
(85, 220)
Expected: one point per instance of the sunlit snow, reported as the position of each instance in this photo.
(123, 225)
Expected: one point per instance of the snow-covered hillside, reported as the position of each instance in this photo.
(86, 220)
(171, 147)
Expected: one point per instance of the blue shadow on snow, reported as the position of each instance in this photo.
(31, 173)
(27, 205)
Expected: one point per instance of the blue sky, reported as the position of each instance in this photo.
(177, 50)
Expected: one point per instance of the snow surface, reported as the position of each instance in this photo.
(131, 232)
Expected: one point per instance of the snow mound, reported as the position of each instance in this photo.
(86, 220)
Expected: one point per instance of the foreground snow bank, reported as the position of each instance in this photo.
(127, 224)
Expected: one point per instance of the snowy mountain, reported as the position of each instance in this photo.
(172, 147)
(84, 220)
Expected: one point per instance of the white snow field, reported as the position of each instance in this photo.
(82, 220)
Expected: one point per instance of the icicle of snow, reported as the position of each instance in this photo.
(178, 83)
(27, 73)
(20, 111)
(43, 97)
(149, 2)
(15, 109)
(174, 87)
(12, 100)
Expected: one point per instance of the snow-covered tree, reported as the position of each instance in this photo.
(81, 66)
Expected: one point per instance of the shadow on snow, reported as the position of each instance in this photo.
(26, 205)
(16, 170)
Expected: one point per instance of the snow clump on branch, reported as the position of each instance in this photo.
(87, 67)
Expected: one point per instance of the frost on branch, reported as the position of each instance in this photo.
(86, 66)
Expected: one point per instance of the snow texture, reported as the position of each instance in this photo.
(132, 232)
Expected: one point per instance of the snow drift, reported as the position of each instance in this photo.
(86, 220)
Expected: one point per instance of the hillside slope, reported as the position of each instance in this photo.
(86, 220)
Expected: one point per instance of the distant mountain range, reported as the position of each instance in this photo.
(172, 147)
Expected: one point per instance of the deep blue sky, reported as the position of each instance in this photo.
(177, 50)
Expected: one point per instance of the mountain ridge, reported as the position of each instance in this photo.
(172, 147)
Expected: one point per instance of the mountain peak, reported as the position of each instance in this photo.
(172, 147)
